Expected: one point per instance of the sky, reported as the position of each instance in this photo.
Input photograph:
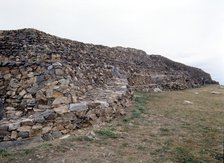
(187, 31)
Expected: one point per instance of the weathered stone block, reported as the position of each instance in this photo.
(61, 109)
(14, 126)
(60, 100)
(14, 135)
(39, 119)
(22, 93)
(36, 130)
(56, 134)
(24, 128)
(78, 107)
(14, 83)
(28, 96)
(59, 72)
(4, 131)
(32, 90)
(49, 115)
(27, 122)
(40, 79)
(23, 134)
(46, 129)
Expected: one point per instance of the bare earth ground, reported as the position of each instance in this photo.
(159, 127)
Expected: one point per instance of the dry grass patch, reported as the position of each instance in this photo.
(160, 127)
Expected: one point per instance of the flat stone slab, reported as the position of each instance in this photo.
(78, 107)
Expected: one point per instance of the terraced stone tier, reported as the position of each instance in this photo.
(99, 105)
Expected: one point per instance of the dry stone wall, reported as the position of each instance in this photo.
(50, 86)
(51, 98)
(48, 100)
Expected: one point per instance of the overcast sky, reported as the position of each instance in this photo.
(188, 31)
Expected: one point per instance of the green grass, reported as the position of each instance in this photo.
(3, 153)
(141, 148)
(126, 119)
(195, 130)
(27, 151)
(164, 131)
(106, 133)
(84, 138)
(136, 113)
(140, 101)
(184, 155)
(46, 145)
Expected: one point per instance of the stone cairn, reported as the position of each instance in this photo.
(51, 86)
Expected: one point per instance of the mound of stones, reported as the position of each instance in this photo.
(50, 86)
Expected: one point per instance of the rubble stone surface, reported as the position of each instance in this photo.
(50, 86)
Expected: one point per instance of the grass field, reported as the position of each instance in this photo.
(159, 127)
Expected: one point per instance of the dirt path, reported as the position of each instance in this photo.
(160, 127)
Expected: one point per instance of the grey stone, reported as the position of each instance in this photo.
(27, 122)
(23, 104)
(14, 83)
(49, 72)
(14, 126)
(56, 134)
(57, 64)
(4, 128)
(11, 144)
(7, 76)
(118, 73)
(78, 107)
(1, 108)
(186, 102)
(28, 102)
(157, 90)
(47, 137)
(97, 103)
(59, 72)
(39, 119)
(23, 134)
(31, 102)
(3, 132)
(40, 79)
(50, 67)
(32, 90)
(49, 115)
